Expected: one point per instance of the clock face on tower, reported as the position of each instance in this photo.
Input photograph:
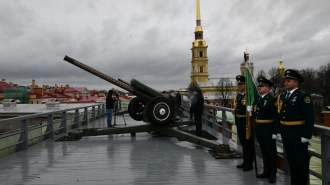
(200, 43)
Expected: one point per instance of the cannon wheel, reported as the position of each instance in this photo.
(159, 111)
(136, 107)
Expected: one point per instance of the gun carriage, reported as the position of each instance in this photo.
(149, 106)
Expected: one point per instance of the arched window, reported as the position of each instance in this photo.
(201, 54)
(217, 104)
(229, 105)
(201, 69)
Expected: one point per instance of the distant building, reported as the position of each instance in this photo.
(12, 91)
(66, 94)
(3, 84)
(76, 92)
(94, 92)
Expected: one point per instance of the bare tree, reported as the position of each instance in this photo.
(323, 77)
(224, 91)
(259, 74)
(277, 80)
(310, 81)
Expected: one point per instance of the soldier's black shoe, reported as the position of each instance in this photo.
(266, 173)
(272, 179)
(263, 175)
(241, 165)
(303, 175)
(248, 167)
(245, 159)
(272, 169)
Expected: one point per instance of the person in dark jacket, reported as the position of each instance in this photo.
(109, 107)
(196, 108)
(264, 114)
(296, 122)
(178, 98)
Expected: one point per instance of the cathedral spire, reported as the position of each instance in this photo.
(198, 11)
(199, 63)
(198, 17)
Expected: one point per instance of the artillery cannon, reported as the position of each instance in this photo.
(151, 107)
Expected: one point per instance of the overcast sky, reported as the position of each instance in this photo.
(150, 40)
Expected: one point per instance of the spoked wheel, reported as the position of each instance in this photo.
(159, 111)
(136, 107)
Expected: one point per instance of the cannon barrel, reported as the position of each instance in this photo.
(137, 88)
(99, 74)
(123, 81)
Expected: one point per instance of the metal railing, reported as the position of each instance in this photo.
(211, 118)
(58, 123)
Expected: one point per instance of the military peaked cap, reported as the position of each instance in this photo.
(198, 89)
(240, 79)
(292, 74)
(264, 81)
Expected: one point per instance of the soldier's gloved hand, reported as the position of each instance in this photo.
(249, 109)
(304, 140)
(274, 136)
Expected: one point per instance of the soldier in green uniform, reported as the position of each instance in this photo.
(264, 114)
(240, 122)
(296, 122)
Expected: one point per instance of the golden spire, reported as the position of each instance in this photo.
(198, 10)
(198, 17)
(199, 41)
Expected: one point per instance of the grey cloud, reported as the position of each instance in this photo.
(151, 40)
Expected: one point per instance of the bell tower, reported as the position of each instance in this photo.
(199, 61)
